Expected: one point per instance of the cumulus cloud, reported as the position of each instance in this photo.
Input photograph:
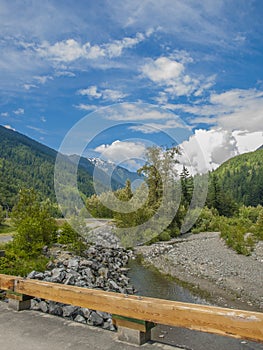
(70, 50)
(4, 114)
(236, 108)
(91, 91)
(170, 74)
(207, 149)
(122, 151)
(19, 111)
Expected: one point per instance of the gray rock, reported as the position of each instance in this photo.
(94, 319)
(69, 311)
(80, 319)
(43, 306)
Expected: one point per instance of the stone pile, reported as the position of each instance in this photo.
(99, 267)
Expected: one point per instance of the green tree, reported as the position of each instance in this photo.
(187, 186)
(2, 214)
(35, 225)
(219, 199)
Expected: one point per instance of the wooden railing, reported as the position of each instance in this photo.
(222, 321)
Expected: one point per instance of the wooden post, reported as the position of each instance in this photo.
(132, 330)
(18, 301)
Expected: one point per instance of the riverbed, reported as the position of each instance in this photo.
(149, 282)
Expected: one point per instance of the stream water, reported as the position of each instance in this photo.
(151, 283)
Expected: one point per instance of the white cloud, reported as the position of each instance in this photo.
(171, 74)
(19, 111)
(4, 114)
(43, 119)
(115, 95)
(121, 151)
(71, 50)
(41, 131)
(9, 127)
(231, 110)
(85, 107)
(65, 73)
(43, 79)
(29, 86)
(207, 149)
(105, 94)
(153, 128)
(163, 70)
(91, 91)
(137, 112)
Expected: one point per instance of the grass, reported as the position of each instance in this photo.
(7, 228)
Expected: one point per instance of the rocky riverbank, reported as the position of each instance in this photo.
(208, 265)
(99, 267)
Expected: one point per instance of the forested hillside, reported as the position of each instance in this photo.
(242, 178)
(25, 163)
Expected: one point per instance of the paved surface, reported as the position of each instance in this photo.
(26, 330)
(5, 238)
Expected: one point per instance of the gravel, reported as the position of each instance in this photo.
(204, 260)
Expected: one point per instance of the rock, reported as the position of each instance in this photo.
(58, 274)
(32, 274)
(73, 263)
(43, 306)
(55, 308)
(80, 319)
(101, 267)
(69, 311)
(95, 319)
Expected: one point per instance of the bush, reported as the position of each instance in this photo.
(208, 220)
(35, 225)
(67, 235)
(2, 215)
(164, 236)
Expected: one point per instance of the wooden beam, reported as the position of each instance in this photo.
(7, 282)
(222, 321)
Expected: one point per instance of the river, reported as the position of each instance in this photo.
(151, 283)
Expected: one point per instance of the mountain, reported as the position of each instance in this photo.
(118, 174)
(242, 177)
(27, 163)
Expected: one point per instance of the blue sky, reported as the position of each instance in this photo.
(190, 71)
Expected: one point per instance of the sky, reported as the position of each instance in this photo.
(111, 78)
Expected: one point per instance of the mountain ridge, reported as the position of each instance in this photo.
(25, 162)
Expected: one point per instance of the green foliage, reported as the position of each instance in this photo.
(257, 229)
(242, 177)
(250, 213)
(219, 199)
(234, 231)
(208, 220)
(96, 207)
(164, 236)
(187, 185)
(2, 215)
(35, 226)
(25, 163)
(67, 235)
(20, 264)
